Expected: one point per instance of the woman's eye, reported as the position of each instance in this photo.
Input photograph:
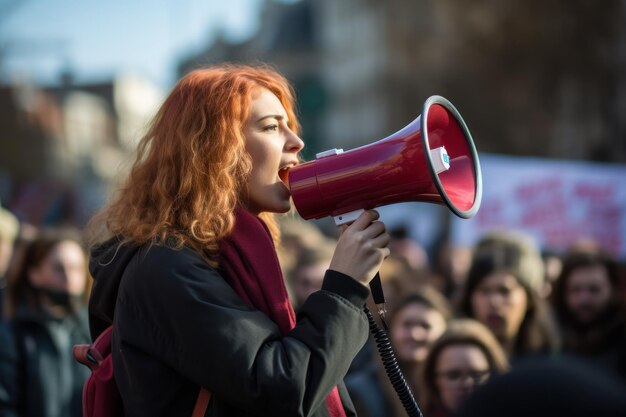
(270, 128)
(504, 291)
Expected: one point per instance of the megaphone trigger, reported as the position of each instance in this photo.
(348, 217)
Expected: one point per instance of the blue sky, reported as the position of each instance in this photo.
(98, 39)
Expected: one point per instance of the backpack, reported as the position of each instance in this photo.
(101, 397)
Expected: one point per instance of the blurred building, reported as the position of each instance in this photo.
(62, 145)
(539, 78)
(381, 61)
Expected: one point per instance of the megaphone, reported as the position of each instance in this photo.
(433, 159)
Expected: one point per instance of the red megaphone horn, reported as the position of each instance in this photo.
(433, 159)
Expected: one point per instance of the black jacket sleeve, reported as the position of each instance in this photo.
(176, 308)
(9, 375)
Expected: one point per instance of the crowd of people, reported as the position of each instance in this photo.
(453, 328)
(449, 335)
(204, 286)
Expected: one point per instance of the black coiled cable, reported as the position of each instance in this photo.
(392, 368)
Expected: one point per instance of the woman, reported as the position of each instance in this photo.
(465, 356)
(414, 325)
(190, 278)
(502, 292)
(47, 316)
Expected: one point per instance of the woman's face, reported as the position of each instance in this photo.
(64, 269)
(588, 292)
(458, 371)
(413, 331)
(500, 302)
(273, 147)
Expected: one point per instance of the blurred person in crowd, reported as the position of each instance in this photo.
(552, 266)
(9, 228)
(47, 316)
(296, 235)
(414, 325)
(549, 387)
(590, 312)
(590, 245)
(407, 249)
(450, 268)
(502, 292)
(463, 358)
(186, 271)
(307, 275)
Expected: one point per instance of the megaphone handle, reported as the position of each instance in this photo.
(378, 296)
(376, 287)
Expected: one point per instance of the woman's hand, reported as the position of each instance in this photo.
(361, 248)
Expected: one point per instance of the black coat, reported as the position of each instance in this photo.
(178, 325)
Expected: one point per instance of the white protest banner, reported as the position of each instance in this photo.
(556, 202)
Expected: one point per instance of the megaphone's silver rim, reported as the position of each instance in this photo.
(471, 212)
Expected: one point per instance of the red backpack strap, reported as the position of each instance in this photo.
(92, 356)
(202, 403)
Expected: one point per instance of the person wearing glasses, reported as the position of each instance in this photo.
(463, 358)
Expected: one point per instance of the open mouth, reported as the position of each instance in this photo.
(283, 174)
(495, 320)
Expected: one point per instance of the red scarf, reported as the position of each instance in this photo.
(249, 261)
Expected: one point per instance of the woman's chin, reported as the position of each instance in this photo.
(285, 208)
(279, 207)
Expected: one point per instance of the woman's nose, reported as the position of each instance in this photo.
(294, 143)
(496, 300)
(467, 381)
(419, 333)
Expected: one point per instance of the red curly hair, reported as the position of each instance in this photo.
(192, 165)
